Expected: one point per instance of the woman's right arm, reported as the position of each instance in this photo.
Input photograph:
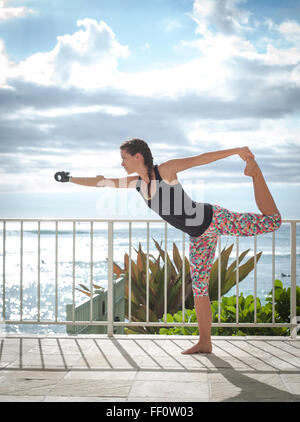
(180, 164)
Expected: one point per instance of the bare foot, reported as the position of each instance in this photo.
(198, 348)
(251, 168)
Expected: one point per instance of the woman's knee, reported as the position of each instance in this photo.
(270, 223)
(277, 221)
(200, 288)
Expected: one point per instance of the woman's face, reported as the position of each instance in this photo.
(129, 162)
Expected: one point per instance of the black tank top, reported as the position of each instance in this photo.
(174, 205)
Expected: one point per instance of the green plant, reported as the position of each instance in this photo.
(282, 301)
(189, 317)
(246, 310)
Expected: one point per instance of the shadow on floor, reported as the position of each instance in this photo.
(251, 389)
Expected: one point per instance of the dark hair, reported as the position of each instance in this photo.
(135, 145)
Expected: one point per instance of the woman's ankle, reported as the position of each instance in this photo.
(252, 169)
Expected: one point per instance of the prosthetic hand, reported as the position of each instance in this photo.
(62, 176)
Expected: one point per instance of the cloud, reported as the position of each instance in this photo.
(88, 58)
(225, 28)
(45, 117)
(7, 13)
(282, 45)
(289, 29)
(172, 24)
(5, 64)
(220, 15)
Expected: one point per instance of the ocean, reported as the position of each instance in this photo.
(27, 279)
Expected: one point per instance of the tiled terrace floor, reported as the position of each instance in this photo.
(147, 368)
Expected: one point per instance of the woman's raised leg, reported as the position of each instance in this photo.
(263, 197)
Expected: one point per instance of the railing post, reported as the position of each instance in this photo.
(166, 275)
(219, 280)
(147, 274)
(110, 328)
(21, 271)
(4, 270)
(129, 278)
(293, 296)
(183, 277)
(237, 280)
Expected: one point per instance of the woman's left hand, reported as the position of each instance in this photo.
(245, 153)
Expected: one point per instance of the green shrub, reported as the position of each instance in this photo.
(246, 315)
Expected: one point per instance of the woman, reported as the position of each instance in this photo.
(163, 193)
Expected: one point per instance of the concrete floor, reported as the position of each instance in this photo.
(138, 368)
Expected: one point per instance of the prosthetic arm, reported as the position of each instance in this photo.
(63, 177)
(98, 181)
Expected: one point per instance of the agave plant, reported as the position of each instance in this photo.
(156, 285)
(228, 275)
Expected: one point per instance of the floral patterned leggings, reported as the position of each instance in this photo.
(224, 222)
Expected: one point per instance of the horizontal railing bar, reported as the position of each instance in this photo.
(121, 220)
(151, 324)
(214, 324)
(86, 220)
(104, 323)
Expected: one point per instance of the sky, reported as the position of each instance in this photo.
(79, 77)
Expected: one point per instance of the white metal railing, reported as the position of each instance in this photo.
(110, 323)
